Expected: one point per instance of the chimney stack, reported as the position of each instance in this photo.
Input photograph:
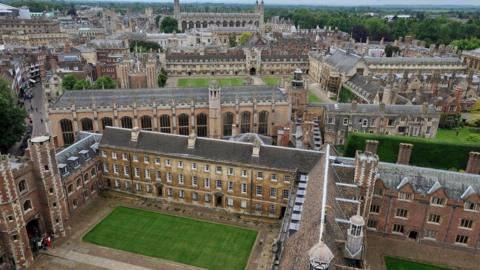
(354, 105)
(381, 107)
(371, 146)
(425, 107)
(135, 133)
(256, 148)
(404, 153)
(192, 138)
(473, 165)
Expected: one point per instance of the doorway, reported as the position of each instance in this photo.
(218, 199)
(253, 71)
(413, 235)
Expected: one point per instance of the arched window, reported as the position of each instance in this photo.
(22, 186)
(126, 122)
(93, 172)
(263, 123)
(107, 122)
(245, 122)
(183, 128)
(202, 125)
(87, 124)
(27, 205)
(165, 123)
(70, 188)
(227, 123)
(67, 131)
(85, 177)
(146, 122)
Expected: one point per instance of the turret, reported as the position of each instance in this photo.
(354, 244)
(214, 114)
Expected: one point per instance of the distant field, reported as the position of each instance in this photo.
(271, 80)
(188, 241)
(399, 264)
(204, 82)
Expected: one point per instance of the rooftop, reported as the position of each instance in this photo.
(373, 108)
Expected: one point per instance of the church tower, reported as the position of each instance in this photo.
(298, 93)
(151, 72)
(176, 9)
(214, 110)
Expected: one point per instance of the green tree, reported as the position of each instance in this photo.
(162, 78)
(169, 25)
(476, 107)
(68, 82)
(105, 82)
(466, 44)
(244, 37)
(13, 118)
(390, 50)
(82, 85)
(232, 42)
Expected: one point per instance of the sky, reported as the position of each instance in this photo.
(351, 2)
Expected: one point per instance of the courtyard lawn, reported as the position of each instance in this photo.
(204, 82)
(271, 80)
(399, 264)
(464, 135)
(312, 98)
(188, 241)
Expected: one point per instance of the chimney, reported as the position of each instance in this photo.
(135, 133)
(371, 146)
(404, 153)
(354, 105)
(473, 165)
(192, 138)
(425, 108)
(256, 148)
(381, 107)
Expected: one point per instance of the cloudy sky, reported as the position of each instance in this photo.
(351, 2)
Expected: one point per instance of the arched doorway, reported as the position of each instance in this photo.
(34, 234)
(253, 71)
(218, 199)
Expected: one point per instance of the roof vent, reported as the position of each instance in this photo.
(256, 148)
(192, 138)
(135, 133)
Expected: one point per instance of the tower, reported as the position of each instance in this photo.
(261, 12)
(365, 177)
(354, 244)
(151, 73)
(122, 74)
(42, 154)
(214, 109)
(298, 92)
(176, 9)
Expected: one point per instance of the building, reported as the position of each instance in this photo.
(10, 25)
(189, 20)
(341, 119)
(472, 60)
(36, 39)
(210, 112)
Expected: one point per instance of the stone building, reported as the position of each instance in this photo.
(36, 39)
(210, 112)
(189, 20)
(9, 25)
(472, 60)
(341, 119)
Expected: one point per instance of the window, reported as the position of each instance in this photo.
(105, 167)
(286, 194)
(259, 190)
(157, 161)
(207, 197)
(273, 192)
(245, 122)
(126, 122)
(135, 158)
(259, 175)
(243, 204)
(70, 188)
(168, 163)
(169, 192)
(330, 120)
(258, 207)
(375, 208)
(180, 164)
(27, 205)
(230, 171)
(434, 218)
(114, 155)
(194, 166)
(218, 169)
(202, 125)
(165, 123)
(115, 168)
(22, 186)
(286, 178)
(244, 187)
(138, 187)
(227, 124)
(67, 131)
(79, 183)
(183, 127)
(271, 209)
(125, 170)
(146, 159)
(206, 168)
(136, 172)
(378, 192)
(181, 194)
(372, 224)
(430, 234)
(169, 177)
(461, 239)
(401, 213)
(230, 202)
(398, 228)
(273, 177)
(146, 122)
(365, 123)
(466, 223)
(405, 196)
(230, 186)
(218, 184)
(158, 176)
(180, 179)
(470, 206)
(194, 196)
(147, 174)
(345, 121)
(206, 183)
(124, 156)
(436, 201)
(117, 184)
(149, 188)
(194, 181)
(244, 173)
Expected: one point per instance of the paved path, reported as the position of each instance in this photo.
(256, 80)
(38, 113)
(93, 260)
(315, 89)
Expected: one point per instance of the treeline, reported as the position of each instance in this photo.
(436, 28)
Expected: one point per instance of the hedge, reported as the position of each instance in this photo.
(426, 153)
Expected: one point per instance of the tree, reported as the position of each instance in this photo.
(244, 37)
(391, 50)
(232, 42)
(105, 82)
(13, 118)
(476, 107)
(359, 33)
(169, 25)
(82, 85)
(68, 82)
(162, 78)
(466, 44)
(144, 46)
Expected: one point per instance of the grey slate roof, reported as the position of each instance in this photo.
(272, 157)
(413, 60)
(164, 96)
(373, 108)
(368, 89)
(342, 61)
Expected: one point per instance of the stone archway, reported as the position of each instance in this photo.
(253, 71)
(218, 199)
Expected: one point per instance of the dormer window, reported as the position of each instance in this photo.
(438, 201)
(85, 154)
(75, 161)
(63, 169)
(471, 206)
(405, 196)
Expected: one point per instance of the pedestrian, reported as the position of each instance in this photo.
(36, 109)
(39, 244)
(49, 242)
(41, 120)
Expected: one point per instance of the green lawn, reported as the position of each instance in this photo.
(399, 264)
(204, 82)
(184, 240)
(312, 98)
(271, 80)
(465, 135)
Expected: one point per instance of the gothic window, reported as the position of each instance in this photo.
(190, 25)
(204, 24)
(87, 124)
(126, 122)
(227, 123)
(22, 186)
(202, 125)
(245, 122)
(67, 131)
(107, 122)
(146, 122)
(237, 24)
(197, 24)
(27, 205)
(183, 128)
(231, 24)
(225, 23)
(165, 123)
(263, 123)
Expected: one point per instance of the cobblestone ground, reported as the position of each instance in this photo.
(72, 253)
(378, 247)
